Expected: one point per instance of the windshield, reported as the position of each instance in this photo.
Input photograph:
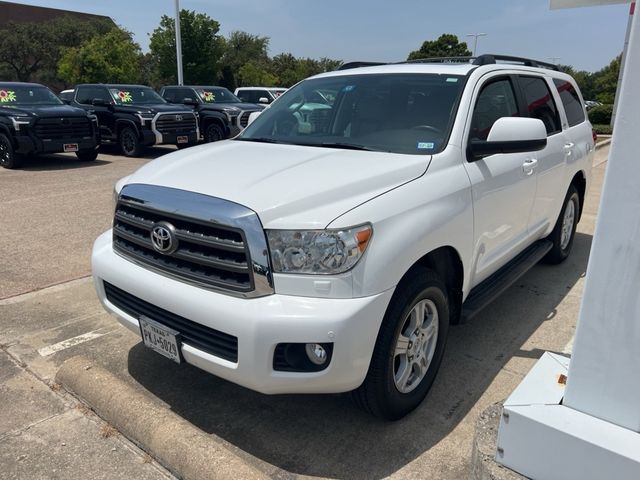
(126, 95)
(25, 95)
(216, 95)
(399, 113)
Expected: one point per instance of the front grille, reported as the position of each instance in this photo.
(174, 124)
(207, 254)
(69, 128)
(243, 119)
(194, 334)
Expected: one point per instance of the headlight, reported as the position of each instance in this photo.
(145, 117)
(18, 120)
(318, 251)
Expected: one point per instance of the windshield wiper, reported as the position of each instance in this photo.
(345, 146)
(258, 139)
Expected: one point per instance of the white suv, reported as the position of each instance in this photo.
(330, 251)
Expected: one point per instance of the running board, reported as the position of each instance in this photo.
(496, 284)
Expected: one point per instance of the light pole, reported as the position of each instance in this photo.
(475, 41)
(178, 44)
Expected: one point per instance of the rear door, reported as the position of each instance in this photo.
(539, 102)
(503, 186)
(85, 94)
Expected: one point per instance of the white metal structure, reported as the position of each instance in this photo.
(353, 252)
(592, 430)
(178, 44)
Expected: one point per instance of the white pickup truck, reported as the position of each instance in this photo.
(329, 246)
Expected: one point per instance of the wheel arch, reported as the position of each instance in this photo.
(125, 122)
(579, 180)
(447, 263)
(218, 120)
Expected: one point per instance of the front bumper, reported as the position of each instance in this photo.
(28, 144)
(259, 324)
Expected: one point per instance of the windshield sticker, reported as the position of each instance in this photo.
(349, 88)
(452, 80)
(125, 97)
(209, 96)
(7, 96)
(425, 145)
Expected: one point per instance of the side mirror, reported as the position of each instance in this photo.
(99, 102)
(511, 135)
(263, 100)
(189, 101)
(252, 117)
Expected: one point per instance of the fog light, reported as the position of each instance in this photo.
(316, 353)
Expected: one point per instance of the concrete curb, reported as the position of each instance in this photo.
(483, 461)
(179, 446)
(604, 143)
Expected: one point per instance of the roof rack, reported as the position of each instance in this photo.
(487, 59)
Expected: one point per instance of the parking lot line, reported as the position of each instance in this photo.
(70, 342)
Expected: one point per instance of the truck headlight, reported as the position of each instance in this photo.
(318, 251)
(18, 120)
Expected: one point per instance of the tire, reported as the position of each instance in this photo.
(129, 142)
(213, 133)
(386, 392)
(87, 155)
(565, 225)
(8, 157)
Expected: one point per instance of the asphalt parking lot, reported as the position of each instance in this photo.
(52, 210)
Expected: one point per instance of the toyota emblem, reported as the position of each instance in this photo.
(178, 118)
(163, 238)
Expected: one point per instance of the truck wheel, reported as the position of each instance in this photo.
(564, 232)
(87, 155)
(129, 142)
(409, 347)
(8, 157)
(213, 133)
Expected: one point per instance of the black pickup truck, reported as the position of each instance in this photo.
(135, 116)
(33, 120)
(221, 113)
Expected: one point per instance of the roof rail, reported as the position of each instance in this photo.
(489, 59)
(349, 65)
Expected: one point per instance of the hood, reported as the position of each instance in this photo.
(153, 108)
(289, 186)
(239, 105)
(44, 110)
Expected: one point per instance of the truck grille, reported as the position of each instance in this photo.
(62, 128)
(243, 119)
(174, 124)
(207, 254)
(198, 336)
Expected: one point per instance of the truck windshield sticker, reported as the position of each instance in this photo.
(452, 80)
(209, 96)
(125, 97)
(7, 96)
(349, 88)
(425, 145)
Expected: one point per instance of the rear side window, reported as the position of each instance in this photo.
(496, 100)
(540, 103)
(571, 101)
(169, 94)
(86, 94)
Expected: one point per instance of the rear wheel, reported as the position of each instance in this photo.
(213, 133)
(409, 347)
(129, 142)
(564, 231)
(8, 157)
(87, 155)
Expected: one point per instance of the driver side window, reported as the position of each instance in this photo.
(496, 100)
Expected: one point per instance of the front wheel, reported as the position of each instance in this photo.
(87, 155)
(129, 142)
(564, 231)
(8, 157)
(409, 347)
(213, 133)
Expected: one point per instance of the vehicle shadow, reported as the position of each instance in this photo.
(150, 153)
(58, 162)
(325, 435)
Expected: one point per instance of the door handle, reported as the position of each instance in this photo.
(569, 146)
(529, 165)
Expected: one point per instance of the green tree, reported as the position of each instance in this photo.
(112, 57)
(256, 73)
(242, 48)
(447, 45)
(32, 51)
(291, 70)
(605, 82)
(202, 48)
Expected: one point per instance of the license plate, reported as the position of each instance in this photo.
(183, 139)
(70, 147)
(163, 340)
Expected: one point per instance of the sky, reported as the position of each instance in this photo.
(376, 30)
